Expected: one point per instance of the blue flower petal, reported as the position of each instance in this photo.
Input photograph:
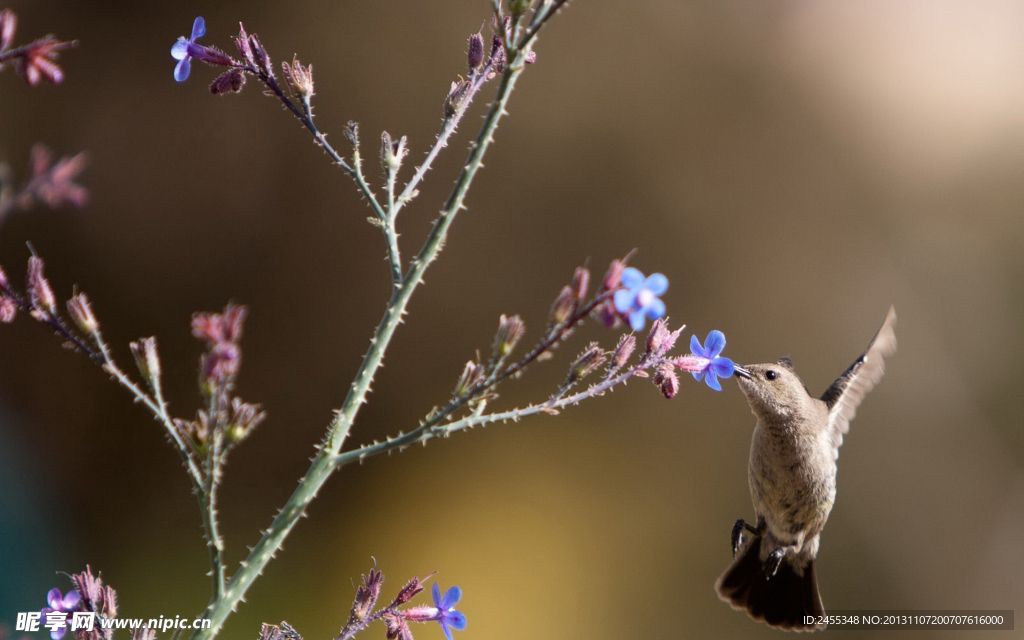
(447, 631)
(54, 598)
(697, 375)
(182, 69)
(632, 278)
(723, 367)
(59, 632)
(656, 283)
(637, 320)
(714, 344)
(71, 599)
(624, 299)
(695, 347)
(712, 380)
(450, 598)
(456, 620)
(179, 49)
(656, 309)
(436, 592)
(198, 28)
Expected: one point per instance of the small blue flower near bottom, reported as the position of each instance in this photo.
(716, 365)
(639, 299)
(447, 616)
(183, 50)
(61, 603)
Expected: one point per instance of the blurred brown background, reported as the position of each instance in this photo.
(793, 167)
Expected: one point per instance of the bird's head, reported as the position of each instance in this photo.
(773, 389)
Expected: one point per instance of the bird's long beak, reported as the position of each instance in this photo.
(743, 372)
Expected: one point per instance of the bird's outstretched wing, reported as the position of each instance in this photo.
(846, 393)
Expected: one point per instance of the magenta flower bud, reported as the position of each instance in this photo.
(614, 275)
(244, 46)
(261, 56)
(658, 337)
(563, 307)
(407, 593)
(666, 380)
(146, 358)
(39, 290)
(81, 313)
(228, 82)
(498, 56)
(580, 283)
(623, 351)
(8, 310)
(4, 284)
(693, 364)
(8, 25)
(475, 55)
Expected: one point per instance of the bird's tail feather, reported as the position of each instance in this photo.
(787, 600)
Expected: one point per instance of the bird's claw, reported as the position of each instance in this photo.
(773, 562)
(738, 539)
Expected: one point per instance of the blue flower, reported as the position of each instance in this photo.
(60, 603)
(448, 617)
(184, 50)
(639, 300)
(716, 365)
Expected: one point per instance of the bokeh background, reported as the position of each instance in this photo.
(794, 167)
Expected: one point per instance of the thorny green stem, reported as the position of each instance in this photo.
(323, 463)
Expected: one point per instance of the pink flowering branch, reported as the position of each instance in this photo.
(36, 61)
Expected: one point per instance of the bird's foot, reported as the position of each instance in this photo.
(738, 538)
(773, 562)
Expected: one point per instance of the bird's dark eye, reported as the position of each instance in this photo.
(770, 375)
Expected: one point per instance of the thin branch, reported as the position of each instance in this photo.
(323, 463)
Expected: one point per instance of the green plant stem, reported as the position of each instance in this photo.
(323, 464)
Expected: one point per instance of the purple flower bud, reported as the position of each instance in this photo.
(210, 55)
(657, 338)
(39, 290)
(95, 596)
(623, 351)
(8, 25)
(666, 380)
(244, 46)
(81, 313)
(510, 331)
(8, 310)
(475, 55)
(614, 275)
(396, 627)
(407, 593)
(564, 306)
(146, 358)
(498, 56)
(228, 82)
(262, 58)
(580, 283)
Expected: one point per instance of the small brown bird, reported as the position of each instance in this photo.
(792, 475)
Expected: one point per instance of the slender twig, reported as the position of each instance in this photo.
(305, 116)
(448, 127)
(323, 463)
(435, 430)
